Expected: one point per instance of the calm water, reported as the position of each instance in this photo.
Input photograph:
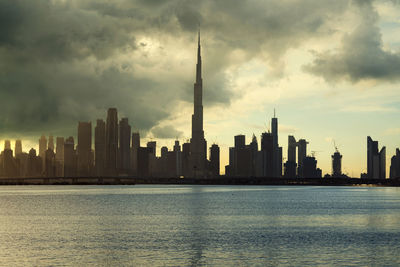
(199, 225)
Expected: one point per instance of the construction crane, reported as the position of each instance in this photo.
(334, 144)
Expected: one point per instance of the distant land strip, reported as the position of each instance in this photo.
(192, 181)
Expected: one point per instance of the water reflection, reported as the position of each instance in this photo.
(199, 225)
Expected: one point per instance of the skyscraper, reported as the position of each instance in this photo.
(100, 147)
(197, 142)
(42, 146)
(301, 155)
(135, 149)
(277, 163)
(18, 147)
(7, 145)
(395, 165)
(152, 148)
(214, 160)
(292, 144)
(84, 148)
(267, 149)
(290, 165)
(51, 143)
(124, 146)
(178, 158)
(42, 151)
(376, 160)
(69, 158)
(59, 157)
(111, 141)
(336, 164)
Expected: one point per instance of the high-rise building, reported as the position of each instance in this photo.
(240, 141)
(7, 145)
(292, 144)
(254, 152)
(198, 145)
(290, 165)
(70, 160)
(336, 164)
(100, 148)
(301, 155)
(152, 149)
(186, 160)
(214, 160)
(134, 153)
(267, 149)
(395, 165)
(376, 160)
(124, 146)
(144, 154)
(34, 164)
(112, 141)
(42, 146)
(310, 169)
(18, 147)
(42, 151)
(84, 148)
(59, 157)
(178, 158)
(49, 170)
(51, 143)
(277, 154)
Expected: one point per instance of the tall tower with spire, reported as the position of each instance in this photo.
(198, 144)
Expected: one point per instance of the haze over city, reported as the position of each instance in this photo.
(330, 69)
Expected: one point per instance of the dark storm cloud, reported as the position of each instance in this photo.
(61, 60)
(166, 132)
(361, 55)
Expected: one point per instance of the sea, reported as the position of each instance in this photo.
(183, 225)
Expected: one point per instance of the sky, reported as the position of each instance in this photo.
(331, 69)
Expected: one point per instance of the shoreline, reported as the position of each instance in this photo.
(192, 181)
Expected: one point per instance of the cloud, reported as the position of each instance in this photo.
(165, 132)
(68, 61)
(361, 55)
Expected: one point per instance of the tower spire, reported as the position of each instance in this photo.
(198, 66)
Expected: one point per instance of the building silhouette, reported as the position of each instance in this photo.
(310, 169)
(50, 167)
(376, 160)
(336, 164)
(100, 148)
(214, 160)
(134, 152)
(301, 155)
(112, 142)
(7, 145)
(186, 170)
(124, 146)
(34, 164)
(70, 159)
(84, 149)
(59, 160)
(198, 144)
(50, 144)
(395, 165)
(178, 158)
(291, 165)
(18, 147)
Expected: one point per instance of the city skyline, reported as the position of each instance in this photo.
(246, 75)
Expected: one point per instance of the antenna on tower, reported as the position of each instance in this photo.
(334, 144)
(274, 113)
